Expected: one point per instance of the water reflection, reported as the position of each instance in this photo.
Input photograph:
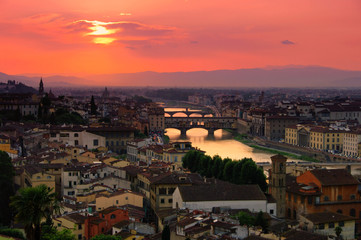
(221, 143)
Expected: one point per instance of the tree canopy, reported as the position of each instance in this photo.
(32, 205)
(6, 188)
(106, 237)
(238, 172)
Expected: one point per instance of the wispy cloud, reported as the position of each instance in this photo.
(121, 30)
(287, 42)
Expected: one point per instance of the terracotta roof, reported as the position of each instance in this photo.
(221, 191)
(327, 217)
(255, 237)
(76, 218)
(334, 177)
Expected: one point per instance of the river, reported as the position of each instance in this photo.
(222, 143)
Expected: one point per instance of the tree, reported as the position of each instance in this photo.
(228, 170)
(217, 161)
(338, 231)
(166, 233)
(93, 107)
(50, 233)
(204, 164)
(106, 237)
(6, 188)
(221, 167)
(262, 222)
(32, 205)
(245, 219)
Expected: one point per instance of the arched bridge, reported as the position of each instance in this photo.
(209, 123)
(188, 112)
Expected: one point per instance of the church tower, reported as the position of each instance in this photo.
(41, 87)
(278, 183)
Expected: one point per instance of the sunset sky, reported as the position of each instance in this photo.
(81, 37)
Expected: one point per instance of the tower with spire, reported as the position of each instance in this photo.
(41, 87)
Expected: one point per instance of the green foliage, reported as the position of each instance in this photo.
(12, 233)
(262, 222)
(62, 116)
(51, 233)
(338, 231)
(228, 171)
(166, 233)
(238, 172)
(6, 188)
(141, 99)
(106, 237)
(138, 134)
(32, 205)
(245, 219)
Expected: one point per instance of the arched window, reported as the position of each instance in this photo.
(112, 216)
(76, 135)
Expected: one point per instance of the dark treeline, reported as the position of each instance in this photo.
(244, 171)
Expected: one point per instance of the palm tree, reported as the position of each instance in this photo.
(32, 206)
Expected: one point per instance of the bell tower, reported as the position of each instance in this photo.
(278, 183)
(41, 87)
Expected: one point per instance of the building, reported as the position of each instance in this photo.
(351, 144)
(320, 190)
(325, 223)
(76, 136)
(156, 120)
(5, 145)
(118, 198)
(278, 183)
(221, 194)
(74, 222)
(275, 126)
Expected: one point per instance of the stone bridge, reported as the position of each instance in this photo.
(209, 123)
(189, 113)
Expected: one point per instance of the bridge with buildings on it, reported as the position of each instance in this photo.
(188, 112)
(209, 123)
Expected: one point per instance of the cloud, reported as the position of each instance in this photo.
(287, 42)
(120, 31)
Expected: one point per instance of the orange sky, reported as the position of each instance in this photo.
(79, 37)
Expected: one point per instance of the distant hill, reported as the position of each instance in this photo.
(289, 76)
(11, 86)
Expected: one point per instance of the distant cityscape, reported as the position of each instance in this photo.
(106, 157)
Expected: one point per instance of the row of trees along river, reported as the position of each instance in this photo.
(244, 171)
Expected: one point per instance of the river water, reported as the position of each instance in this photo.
(222, 143)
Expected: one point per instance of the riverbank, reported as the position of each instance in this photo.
(243, 138)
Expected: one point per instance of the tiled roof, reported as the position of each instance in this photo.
(334, 177)
(327, 217)
(221, 191)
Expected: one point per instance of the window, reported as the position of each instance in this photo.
(162, 191)
(339, 198)
(117, 201)
(321, 226)
(339, 211)
(271, 211)
(112, 216)
(126, 198)
(331, 225)
(76, 135)
(170, 200)
(341, 224)
(95, 142)
(317, 200)
(79, 226)
(352, 212)
(171, 190)
(352, 197)
(80, 237)
(326, 198)
(76, 142)
(162, 200)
